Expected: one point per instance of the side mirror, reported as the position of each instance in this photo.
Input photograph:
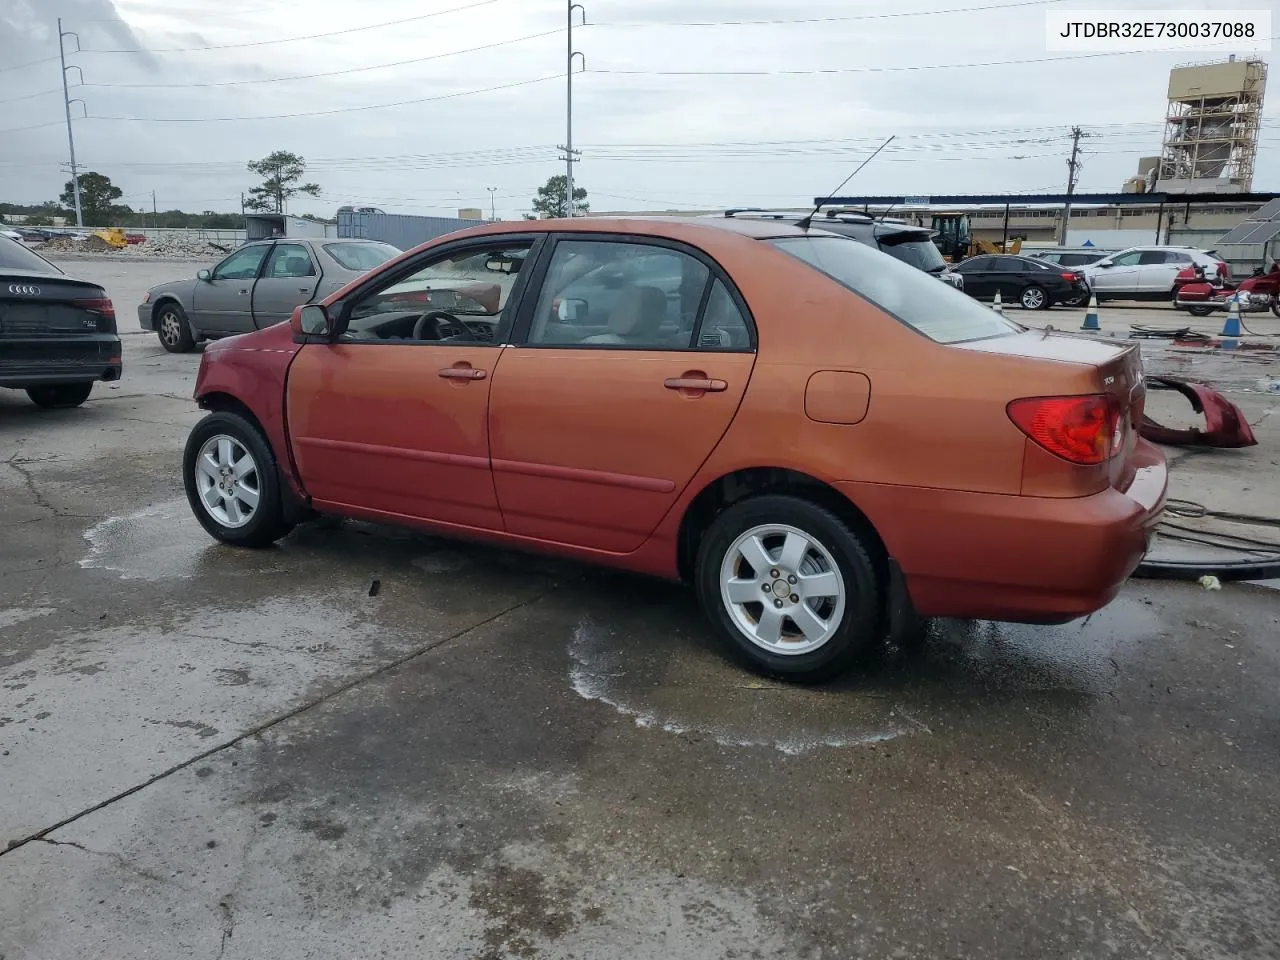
(313, 320)
(572, 311)
(204, 275)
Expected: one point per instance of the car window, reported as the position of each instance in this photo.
(1027, 263)
(1052, 257)
(241, 265)
(460, 298)
(913, 248)
(599, 293)
(361, 256)
(1149, 257)
(974, 265)
(1179, 257)
(936, 310)
(1009, 264)
(17, 257)
(723, 325)
(289, 260)
(1129, 259)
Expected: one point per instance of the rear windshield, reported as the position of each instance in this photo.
(361, 256)
(914, 248)
(15, 256)
(937, 310)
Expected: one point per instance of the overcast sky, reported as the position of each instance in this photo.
(650, 137)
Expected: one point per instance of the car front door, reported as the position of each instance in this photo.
(1009, 278)
(1117, 275)
(390, 420)
(224, 302)
(979, 280)
(289, 278)
(601, 415)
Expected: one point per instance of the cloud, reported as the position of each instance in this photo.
(785, 137)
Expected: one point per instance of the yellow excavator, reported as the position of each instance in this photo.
(955, 241)
(113, 237)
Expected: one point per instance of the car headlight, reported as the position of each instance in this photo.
(146, 297)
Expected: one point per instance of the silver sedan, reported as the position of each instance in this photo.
(256, 286)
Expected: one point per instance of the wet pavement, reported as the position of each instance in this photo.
(207, 752)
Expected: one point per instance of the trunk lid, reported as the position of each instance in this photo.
(49, 305)
(1077, 365)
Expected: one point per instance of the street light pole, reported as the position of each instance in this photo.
(492, 210)
(66, 102)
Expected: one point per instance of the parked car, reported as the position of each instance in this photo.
(57, 334)
(1147, 273)
(1068, 258)
(900, 240)
(998, 472)
(255, 286)
(1024, 280)
(10, 234)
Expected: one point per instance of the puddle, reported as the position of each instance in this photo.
(709, 698)
(165, 542)
(15, 615)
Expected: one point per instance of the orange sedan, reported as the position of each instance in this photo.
(820, 439)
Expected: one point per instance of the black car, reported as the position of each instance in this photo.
(902, 241)
(1033, 283)
(57, 333)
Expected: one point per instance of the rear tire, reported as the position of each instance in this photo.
(815, 617)
(1034, 298)
(173, 329)
(60, 396)
(232, 482)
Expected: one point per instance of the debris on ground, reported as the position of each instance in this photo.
(1225, 425)
(162, 247)
(1210, 582)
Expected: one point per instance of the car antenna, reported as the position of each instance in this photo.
(886, 212)
(808, 221)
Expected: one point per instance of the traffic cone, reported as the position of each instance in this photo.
(1232, 327)
(1091, 316)
(996, 305)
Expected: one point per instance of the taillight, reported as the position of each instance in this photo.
(1072, 277)
(1082, 429)
(105, 310)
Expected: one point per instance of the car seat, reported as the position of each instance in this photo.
(635, 318)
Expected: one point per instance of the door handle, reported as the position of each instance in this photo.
(701, 384)
(304, 289)
(462, 373)
(244, 293)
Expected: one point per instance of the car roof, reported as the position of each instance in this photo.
(648, 225)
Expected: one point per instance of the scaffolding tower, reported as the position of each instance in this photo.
(1211, 129)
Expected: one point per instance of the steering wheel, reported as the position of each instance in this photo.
(443, 325)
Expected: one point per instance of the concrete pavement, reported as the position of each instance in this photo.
(207, 752)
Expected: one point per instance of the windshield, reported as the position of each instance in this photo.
(937, 310)
(361, 256)
(17, 257)
(913, 248)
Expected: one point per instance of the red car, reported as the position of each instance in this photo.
(813, 434)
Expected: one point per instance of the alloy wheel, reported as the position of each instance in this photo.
(228, 481)
(170, 328)
(1033, 298)
(782, 589)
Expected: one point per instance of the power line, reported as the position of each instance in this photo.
(329, 113)
(820, 71)
(313, 36)
(332, 73)
(843, 19)
(32, 96)
(30, 63)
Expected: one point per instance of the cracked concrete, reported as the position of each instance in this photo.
(502, 756)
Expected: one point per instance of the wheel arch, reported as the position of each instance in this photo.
(749, 482)
(165, 299)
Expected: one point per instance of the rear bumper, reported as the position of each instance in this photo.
(1028, 559)
(34, 361)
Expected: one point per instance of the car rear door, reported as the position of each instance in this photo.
(1117, 275)
(1159, 268)
(599, 418)
(224, 302)
(1009, 277)
(289, 277)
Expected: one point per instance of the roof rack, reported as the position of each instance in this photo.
(762, 212)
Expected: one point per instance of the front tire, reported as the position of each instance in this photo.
(173, 328)
(232, 483)
(790, 589)
(60, 396)
(1199, 310)
(1034, 298)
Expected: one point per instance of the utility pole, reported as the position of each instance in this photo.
(66, 102)
(155, 214)
(492, 210)
(569, 152)
(1073, 171)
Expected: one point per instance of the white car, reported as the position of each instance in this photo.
(1145, 273)
(11, 234)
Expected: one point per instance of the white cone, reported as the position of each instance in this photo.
(996, 305)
